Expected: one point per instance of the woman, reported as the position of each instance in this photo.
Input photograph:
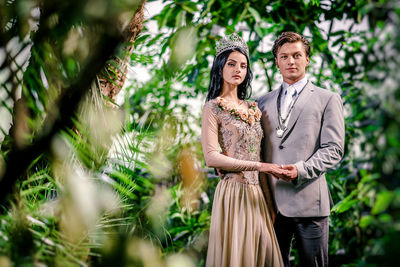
(241, 231)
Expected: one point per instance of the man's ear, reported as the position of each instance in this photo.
(276, 63)
(308, 60)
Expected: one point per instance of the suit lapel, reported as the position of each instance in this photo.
(301, 102)
(273, 111)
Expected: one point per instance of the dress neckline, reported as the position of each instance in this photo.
(250, 115)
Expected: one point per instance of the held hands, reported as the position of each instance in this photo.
(291, 172)
(285, 172)
(273, 169)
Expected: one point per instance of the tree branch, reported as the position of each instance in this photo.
(19, 159)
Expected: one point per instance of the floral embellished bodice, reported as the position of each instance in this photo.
(231, 139)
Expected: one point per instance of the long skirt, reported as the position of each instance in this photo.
(241, 231)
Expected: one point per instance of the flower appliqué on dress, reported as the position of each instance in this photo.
(250, 116)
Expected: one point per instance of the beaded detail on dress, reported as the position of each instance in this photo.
(238, 140)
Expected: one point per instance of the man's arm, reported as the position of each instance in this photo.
(331, 147)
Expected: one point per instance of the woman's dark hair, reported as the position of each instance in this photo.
(216, 79)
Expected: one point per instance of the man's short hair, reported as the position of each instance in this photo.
(290, 37)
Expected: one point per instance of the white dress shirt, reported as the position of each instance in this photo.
(298, 88)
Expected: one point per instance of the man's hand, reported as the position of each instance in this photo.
(218, 172)
(291, 172)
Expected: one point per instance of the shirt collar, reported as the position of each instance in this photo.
(297, 85)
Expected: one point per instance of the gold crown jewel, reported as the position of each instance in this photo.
(229, 42)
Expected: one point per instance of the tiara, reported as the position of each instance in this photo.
(229, 42)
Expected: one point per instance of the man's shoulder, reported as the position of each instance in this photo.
(322, 92)
(268, 96)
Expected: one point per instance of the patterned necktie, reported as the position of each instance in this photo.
(290, 93)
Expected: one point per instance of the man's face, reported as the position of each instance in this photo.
(292, 61)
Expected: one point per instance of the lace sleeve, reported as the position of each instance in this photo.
(209, 140)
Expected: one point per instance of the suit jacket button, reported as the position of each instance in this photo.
(281, 147)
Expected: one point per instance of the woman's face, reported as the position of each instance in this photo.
(235, 68)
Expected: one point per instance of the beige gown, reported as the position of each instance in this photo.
(241, 231)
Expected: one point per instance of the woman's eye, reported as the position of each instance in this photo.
(231, 64)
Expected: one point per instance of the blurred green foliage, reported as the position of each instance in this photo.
(129, 166)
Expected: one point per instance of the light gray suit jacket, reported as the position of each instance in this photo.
(314, 142)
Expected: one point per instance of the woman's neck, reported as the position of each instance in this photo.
(229, 93)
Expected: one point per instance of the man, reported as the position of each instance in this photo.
(304, 133)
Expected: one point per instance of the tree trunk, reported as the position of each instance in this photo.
(113, 76)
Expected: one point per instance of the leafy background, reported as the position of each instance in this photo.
(87, 179)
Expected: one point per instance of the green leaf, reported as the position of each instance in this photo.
(366, 220)
(344, 205)
(259, 31)
(190, 7)
(179, 216)
(255, 14)
(179, 19)
(166, 16)
(315, 2)
(385, 218)
(383, 201)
